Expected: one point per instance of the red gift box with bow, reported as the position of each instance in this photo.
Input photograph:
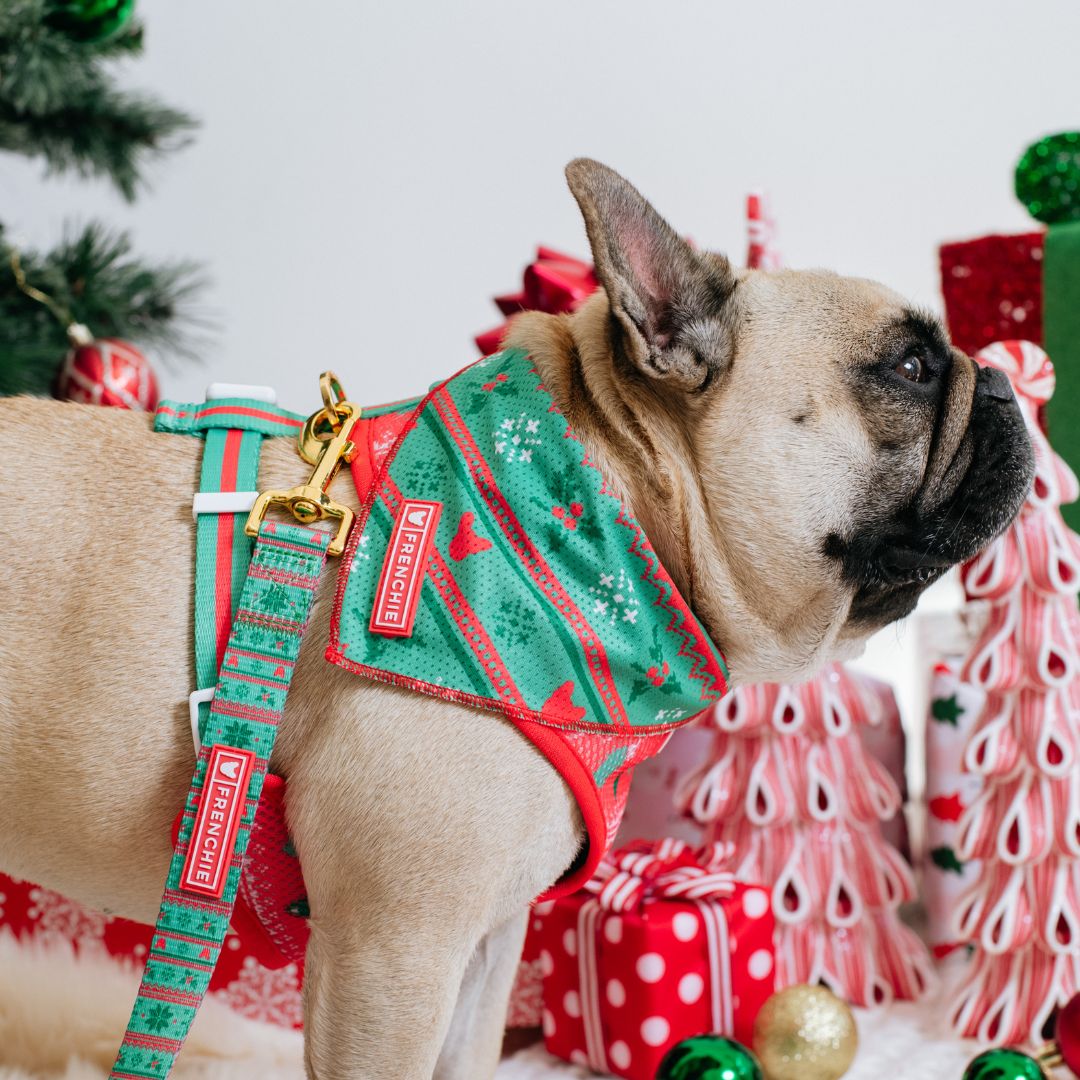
(662, 944)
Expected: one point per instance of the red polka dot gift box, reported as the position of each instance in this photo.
(660, 945)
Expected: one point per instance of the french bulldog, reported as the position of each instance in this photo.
(806, 453)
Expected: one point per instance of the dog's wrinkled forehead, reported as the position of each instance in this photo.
(856, 319)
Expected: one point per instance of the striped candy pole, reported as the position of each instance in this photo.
(762, 253)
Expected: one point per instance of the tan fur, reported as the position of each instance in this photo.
(420, 852)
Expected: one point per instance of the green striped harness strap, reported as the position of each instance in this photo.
(253, 599)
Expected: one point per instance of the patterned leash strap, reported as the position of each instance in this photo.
(238, 722)
(248, 702)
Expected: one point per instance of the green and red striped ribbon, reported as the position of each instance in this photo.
(233, 430)
(222, 548)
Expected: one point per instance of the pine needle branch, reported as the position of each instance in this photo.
(57, 99)
(92, 275)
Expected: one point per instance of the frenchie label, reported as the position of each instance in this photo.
(206, 868)
(398, 593)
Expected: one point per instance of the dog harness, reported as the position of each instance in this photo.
(489, 566)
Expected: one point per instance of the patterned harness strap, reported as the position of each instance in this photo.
(265, 597)
(232, 428)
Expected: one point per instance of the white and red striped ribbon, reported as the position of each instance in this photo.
(589, 980)
(669, 870)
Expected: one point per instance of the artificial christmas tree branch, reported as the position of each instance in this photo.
(57, 100)
(91, 275)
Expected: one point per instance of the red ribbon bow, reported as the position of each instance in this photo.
(668, 870)
(553, 282)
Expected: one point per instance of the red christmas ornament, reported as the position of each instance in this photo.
(106, 371)
(1067, 1033)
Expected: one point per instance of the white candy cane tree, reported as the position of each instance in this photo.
(792, 788)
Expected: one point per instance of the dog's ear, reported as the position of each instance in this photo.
(671, 303)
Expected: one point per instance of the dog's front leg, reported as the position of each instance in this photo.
(475, 1038)
(421, 827)
(379, 995)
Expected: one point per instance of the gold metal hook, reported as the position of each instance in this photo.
(325, 442)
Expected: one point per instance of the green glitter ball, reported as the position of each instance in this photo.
(88, 21)
(709, 1057)
(1004, 1065)
(1048, 178)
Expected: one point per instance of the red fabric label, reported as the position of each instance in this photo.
(404, 565)
(206, 867)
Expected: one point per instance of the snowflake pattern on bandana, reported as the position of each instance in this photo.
(517, 439)
(615, 599)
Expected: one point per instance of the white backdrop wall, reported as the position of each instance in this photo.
(368, 174)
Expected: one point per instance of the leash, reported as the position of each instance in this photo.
(262, 593)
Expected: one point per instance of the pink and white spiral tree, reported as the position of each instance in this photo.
(1023, 913)
(792, 788)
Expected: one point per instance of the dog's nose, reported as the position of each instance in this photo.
(994, 383)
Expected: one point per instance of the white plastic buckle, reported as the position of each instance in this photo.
(195, 699)
(222, 502)
(241, 390)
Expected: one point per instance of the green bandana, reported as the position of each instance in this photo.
(542, 597)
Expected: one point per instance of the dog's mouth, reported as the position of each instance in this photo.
(891, 577)
(902, 564)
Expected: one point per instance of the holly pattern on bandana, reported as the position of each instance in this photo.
(542, 599)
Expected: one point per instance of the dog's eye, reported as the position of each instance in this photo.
(912, 368)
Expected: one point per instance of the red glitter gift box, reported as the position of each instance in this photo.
(993, 289)
(662, 944)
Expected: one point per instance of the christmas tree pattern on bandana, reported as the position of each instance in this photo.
(542, 599)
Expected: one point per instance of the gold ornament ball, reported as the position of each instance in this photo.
(805, 1033)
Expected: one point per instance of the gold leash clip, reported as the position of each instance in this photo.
(325, 442)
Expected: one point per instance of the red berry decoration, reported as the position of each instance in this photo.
(107, 371)
(1067, 1033)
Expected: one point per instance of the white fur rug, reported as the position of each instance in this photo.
(61, 1019)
